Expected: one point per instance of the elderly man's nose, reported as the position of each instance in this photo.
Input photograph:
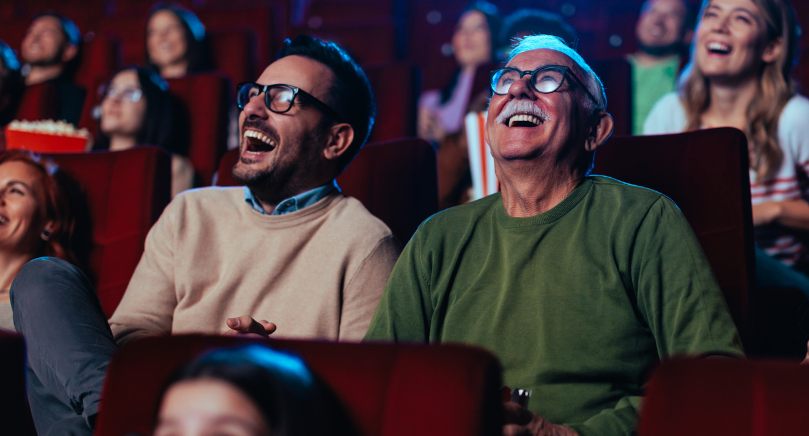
(522, 88)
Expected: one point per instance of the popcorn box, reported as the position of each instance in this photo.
(45, 140)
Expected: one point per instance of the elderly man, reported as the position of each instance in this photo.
(288, 247)
(579, 284)
(664, 31)
(49, 52)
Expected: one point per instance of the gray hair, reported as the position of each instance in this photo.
(549, 42)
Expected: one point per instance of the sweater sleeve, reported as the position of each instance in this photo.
(679, 300)
(404, 312)
(666, 116)
(361, 295)
(147, 308)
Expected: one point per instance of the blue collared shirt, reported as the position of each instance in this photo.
(293, 204)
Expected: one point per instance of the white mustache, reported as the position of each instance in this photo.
(521, 107)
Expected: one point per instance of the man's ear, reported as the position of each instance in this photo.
(600, 131)
(340, 138)
(69, 53)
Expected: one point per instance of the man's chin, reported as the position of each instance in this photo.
(247, 176)
(661, 50)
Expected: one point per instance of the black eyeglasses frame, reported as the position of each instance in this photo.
(565, 71)
(295, 91)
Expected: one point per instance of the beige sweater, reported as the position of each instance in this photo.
(317, 273)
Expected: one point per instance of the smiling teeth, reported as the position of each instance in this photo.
(718, 46)
(260, 136)
(3, 220)
(529, 118)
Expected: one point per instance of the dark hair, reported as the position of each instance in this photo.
(57, 205)
(198, 51)
(350, 94)
(72, 36)
(537, 22)
(13, 83)
(158, 123)
(494, 21)
(292, 400)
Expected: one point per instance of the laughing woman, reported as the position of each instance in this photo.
(739, 76)
(35, 219)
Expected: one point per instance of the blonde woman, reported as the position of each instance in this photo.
(739, 76)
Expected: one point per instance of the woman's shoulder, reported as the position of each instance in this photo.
(796, 110)
(666, 116)
(793, 128)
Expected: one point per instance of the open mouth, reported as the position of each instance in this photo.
(257, 142)
(523, 120)
(3, 220)
(715, 47)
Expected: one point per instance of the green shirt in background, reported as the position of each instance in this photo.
(578, 303)
(649, 83)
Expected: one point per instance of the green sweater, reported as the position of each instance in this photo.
(578, 303)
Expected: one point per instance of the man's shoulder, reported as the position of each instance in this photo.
(624, 195)
(460, 218)
(353, 217)
(217, 200)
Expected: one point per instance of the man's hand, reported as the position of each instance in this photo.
(245, 325)
(521, 422)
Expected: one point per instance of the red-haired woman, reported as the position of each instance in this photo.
(35, 219)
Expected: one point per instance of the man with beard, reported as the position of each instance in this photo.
(664, 31)
(50, 52)
(579, 284)
(288, 247)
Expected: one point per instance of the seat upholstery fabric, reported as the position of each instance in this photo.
(387, 390)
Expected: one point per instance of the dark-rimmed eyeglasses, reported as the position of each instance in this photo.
(544, 80)
(279, 98)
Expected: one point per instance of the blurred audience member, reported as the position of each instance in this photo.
(50, 52)
(740, 76)
(35, 219)
(441, 112)
(664, 31)
(251, 391)
(526, 22)
(11, 86)
(176, 43)
(136, 109)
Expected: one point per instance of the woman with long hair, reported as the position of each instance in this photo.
(252, 390)
(137, 109)
(35, 219)
(739, 76)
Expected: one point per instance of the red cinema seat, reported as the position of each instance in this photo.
(14, 412)
(724, 397)
(126, 192)
(205, 98)
(616, 75)
(266, 20)
(12, 32)
(130, 31)
(430, 28)
(367, 42)
(235, 53)
(387, 390)
(100, 56)
(706, 174)
(396, 89)
(341, 11)
(39, 102)
(395, 180)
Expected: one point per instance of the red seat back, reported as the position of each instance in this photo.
(235, 53)
(395, 180)
(724, 397)
(367, 42)
(387, 390)
(100, 56)
(39, 102)
(126, 192)
(706, 174)
(205, 98)
(396, 89)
